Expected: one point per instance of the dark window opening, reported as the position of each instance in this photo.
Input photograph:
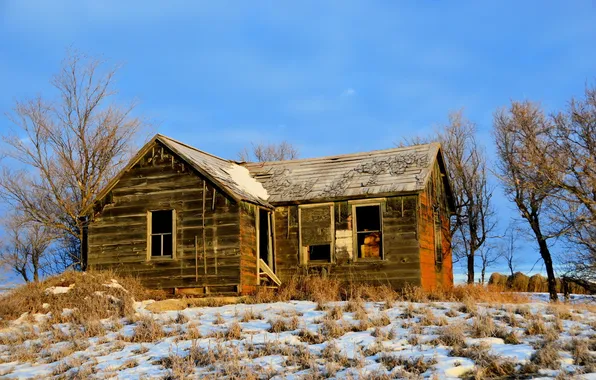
(320, 252)
(264, 233)
(161, 233)
(369, 236)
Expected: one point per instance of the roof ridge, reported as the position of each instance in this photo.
(429, 145)
(160, 136)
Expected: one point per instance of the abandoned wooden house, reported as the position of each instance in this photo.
(184, 220)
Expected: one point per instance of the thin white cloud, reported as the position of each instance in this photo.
(348, 92)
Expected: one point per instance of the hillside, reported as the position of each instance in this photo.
(396, 337)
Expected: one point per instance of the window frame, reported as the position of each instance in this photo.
(302, 255)
(150, 257)
(363, 203)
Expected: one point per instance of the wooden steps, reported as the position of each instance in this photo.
(267, 273)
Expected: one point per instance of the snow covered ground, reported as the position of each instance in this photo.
(301, 339)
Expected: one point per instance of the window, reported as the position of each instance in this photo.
(438, 240)
(321, 252)
(368, 231)
(161, 236)
(316, 233)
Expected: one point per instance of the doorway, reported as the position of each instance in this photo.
(265, 238)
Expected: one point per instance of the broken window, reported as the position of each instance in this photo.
(369, 235)
(162, 227)
(321, 252)
(316, 233)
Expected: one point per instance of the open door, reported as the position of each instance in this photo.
(266, 255)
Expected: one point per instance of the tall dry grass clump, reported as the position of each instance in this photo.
(92, 295)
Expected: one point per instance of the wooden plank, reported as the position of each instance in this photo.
(264, 268)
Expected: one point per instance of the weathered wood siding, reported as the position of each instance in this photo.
(248, 248)
(118, 230)
(401, 262)
(435, 275)
(287, 258)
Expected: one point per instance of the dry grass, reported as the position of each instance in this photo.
(232, 332)
(147, 330)
(335, 312)
(325, 289)
(483, 326)
(453, 335)
(89, 297)
(192, 333)
(310, 337)
(380, 320)
(430, 319)
(411, 365)
(536, 326)
(219, 319)
(250, 315)
(488, 366)
(547, 356)
(279, 325)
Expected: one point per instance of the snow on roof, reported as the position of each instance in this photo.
(241, 176)
(232, 177)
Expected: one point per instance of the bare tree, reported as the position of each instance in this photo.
(521, 135)
(62, 151)
(508, 249)
(572, 169)
(26, 248)
(474, 218)
(488, 256)
(269, 152)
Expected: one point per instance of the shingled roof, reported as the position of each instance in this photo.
(349, 175)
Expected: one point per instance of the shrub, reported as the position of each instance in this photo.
(94, 295)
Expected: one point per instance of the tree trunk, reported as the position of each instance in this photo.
(550, 272)
(36, 266)
(470, 259)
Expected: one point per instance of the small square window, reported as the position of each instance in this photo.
(321, 252)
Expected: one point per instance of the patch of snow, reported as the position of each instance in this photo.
(59, 289)
(115, 284)
(67, 312)
(246, 182)
(111, 354)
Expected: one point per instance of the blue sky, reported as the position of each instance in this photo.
(329, 76)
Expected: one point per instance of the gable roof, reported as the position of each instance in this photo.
(230, 177)
(406, 169)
